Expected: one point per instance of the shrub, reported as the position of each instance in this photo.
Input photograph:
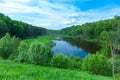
(75, 62)
(8, 46)
(97, 64)
(39, 53)
(60, 61)
(117, 76)
(117, 63)
(23, 52)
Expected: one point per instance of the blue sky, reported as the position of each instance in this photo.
(58, 14)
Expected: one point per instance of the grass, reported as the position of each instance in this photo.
(10, 70)
(47, 40)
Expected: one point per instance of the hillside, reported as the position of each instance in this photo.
(93, 30)
(10, 70)
(18, 28)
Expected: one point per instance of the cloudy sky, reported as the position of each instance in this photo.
(57, 14)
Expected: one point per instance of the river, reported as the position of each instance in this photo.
(74, 47)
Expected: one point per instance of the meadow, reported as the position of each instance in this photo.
(46, 39)
(10, 70)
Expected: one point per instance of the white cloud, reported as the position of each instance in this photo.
(16, 1)
(53, 15)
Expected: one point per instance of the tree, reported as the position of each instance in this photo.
(112, 41)
(23, 52)
(97, 64)
(75, 62)
(60, 61)
(3, 28)
(39, 53)
(8, 45)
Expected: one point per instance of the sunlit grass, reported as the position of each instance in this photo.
(47, 40)
(10, 70)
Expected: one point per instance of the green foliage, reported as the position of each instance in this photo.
(117, 76)
(39, 53)
(46, 39)
(117, 63)
(92, 30)
(3, 28)
(75, 62)
(18, 28)
(60, 61)
(10, 70)
(8, 45)
(23, 52)
(97, 64)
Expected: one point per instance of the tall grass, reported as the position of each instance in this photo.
(10, 70)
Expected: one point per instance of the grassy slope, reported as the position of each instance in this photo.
(10, 70)
(43, 39)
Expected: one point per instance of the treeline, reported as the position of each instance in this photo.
(18, 28)
(92, 30)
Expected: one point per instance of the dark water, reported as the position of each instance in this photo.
(74, 47)
(67, 49)
(90, 47)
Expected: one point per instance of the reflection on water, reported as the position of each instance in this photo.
(90, 47)
(67, 49)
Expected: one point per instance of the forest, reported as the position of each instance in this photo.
(18, 28)
(24, 46)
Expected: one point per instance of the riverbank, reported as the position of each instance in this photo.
(47, 40)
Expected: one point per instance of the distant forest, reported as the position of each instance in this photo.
(93, 30)
(87, 31)
(18, 28)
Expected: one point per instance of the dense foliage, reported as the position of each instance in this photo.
(97, 64)
(92, 30)
(106, 33)
(60, 61)
(117, 64)
(8, 46)
(36, 53)
(39, 53)
(18, 28)
(75, 62)
(22, 55)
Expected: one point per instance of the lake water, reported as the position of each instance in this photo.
(67, 49)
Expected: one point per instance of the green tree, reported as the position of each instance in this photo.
(60, 61)
(3, 28)
(23, 52)
(112, 40)
(97, 64)
(8, 45)
(39, 53)
(75, 62)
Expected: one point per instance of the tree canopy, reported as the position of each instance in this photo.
(18, 28)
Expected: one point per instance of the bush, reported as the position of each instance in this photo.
(117, 63)
(23, 52)
(97, 64)
(8, 46)
(39, 53)
(75, 62)
(117, 76)
(60, 61)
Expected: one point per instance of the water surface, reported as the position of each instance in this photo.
(67, 49)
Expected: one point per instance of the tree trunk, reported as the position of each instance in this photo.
(113, 69)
